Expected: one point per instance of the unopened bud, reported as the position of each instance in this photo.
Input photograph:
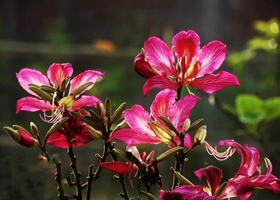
(21, 137)
(42, 159)
(34, 129)
(200, 135)
(186, 125)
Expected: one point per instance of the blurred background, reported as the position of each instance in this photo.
(106, 36)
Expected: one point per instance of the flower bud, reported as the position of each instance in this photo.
(186, 125)
(200, 135)
(21, 137)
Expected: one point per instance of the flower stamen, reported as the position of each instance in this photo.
(220, 156)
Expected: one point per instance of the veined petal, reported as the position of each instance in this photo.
(212, 83)
(180, 111)
(132, 138)
(138, 120)
(89, 76)
(85, 101)
(211, 57)
(57, 72)
(28, 76)
(159, 55)
(186, 45)
(118, 167)
(250, 157)
(160, 82)
(213, 177)
(32, 104)
(162, 103)
(142, 67)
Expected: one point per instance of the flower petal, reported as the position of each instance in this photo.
(211, 57)
(180, 111)
(212, 83)
(28, 76)
(186, 45)
(250, 157)
(162, 103)
(159, 55)
(188, 141)
(89, 76)
(85, 101)
(132, 138)
(160, 82)
(58, 139)
(118, 167)
(32, 104)
(213, 177)
(142, 67)
(138, 120)
(57, 72)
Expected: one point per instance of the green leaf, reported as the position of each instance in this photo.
(181, 178)
(250, 109)
(272, 108)
(168, 153)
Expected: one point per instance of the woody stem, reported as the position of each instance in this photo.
(77, 174)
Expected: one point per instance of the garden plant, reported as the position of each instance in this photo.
(75, 119)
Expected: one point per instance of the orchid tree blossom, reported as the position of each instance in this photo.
(145, 128)
(184, 64)
(57, 79)
(247, 179)
(73, 132)
(249, 176)
(196, 192)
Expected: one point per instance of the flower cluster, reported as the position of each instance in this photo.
(76, 119)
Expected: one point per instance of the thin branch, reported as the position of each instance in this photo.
(90, 179)
(60, 190)
(73, 165)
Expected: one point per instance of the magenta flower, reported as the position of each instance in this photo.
(146, 129)
(74, 131)
(196, 192)
(249, 176)
(184, 64)
(57, 74)
(247, 179)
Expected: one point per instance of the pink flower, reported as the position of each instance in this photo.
(184, 64)
(247, 179)
(73, 131)
(196, 192)
(58, 74)
(146, 129)
(249, 176)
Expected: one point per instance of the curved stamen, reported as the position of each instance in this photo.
(220, 156)
(56, 112)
